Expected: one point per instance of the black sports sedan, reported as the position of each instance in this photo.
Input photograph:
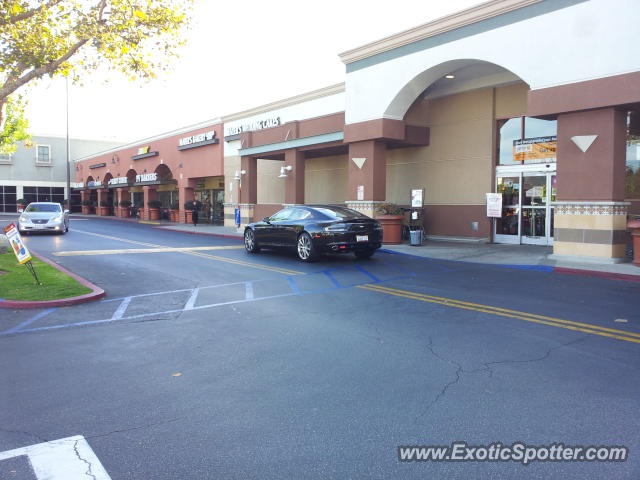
(315, 229)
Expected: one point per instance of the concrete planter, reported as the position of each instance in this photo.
(154, 214)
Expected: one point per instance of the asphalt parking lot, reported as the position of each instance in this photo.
(205, 362)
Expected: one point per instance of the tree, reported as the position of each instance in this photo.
(69, 37)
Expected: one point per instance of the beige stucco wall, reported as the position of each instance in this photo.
(231, 164)
(270, 187)
(456, 167)
(325, 179)
(511, 100)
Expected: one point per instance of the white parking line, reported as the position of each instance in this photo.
(69, 458)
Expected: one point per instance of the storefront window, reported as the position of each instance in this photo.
(525, 140)
(632, 173)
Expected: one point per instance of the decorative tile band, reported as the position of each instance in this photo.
(591, 208)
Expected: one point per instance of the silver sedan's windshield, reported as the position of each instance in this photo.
(42, 207)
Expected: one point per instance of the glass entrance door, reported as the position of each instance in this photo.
(527, 213)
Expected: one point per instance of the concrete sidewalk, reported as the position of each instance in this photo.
(491, 253)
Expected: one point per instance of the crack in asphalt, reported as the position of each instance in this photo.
(89, 466)
(28, 434)
(141, 427)
(487, 367)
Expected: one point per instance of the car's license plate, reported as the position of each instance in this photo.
(38, 226)
(362, 238)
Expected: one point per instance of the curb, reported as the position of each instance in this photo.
(96, 293)
(627, 277)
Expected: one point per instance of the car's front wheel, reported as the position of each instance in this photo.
(363, 254)
(306, 250)
(250, 243)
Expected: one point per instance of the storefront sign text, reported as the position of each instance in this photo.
(94, 184)
(146, 177)
(118, 180)
(249, 127)
(201, 137)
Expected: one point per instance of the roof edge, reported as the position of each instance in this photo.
(492, 8)
(303, 97)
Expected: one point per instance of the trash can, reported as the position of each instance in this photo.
(416, 237)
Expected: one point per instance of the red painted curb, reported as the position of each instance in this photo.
(596, 273)
(96, 293)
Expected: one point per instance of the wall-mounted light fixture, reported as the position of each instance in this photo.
(239, 174)
(284, 170)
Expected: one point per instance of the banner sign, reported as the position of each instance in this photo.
(494, 205)
(17, 245)
(417, 198)
(535, 150)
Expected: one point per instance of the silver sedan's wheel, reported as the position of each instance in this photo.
(306, 250)
(250, 243)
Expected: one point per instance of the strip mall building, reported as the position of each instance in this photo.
(537, 100)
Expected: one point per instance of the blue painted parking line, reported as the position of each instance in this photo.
(291, 288)
(29, 321)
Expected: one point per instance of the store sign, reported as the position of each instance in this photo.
(535, 150)
(494, 205)
(77, 185)
(199, 138)
(118, 181)
(94, 184)
(97, 165)
(146, 177)
(144, 150)
(250, 127)
(17, 245)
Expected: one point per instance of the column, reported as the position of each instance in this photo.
(367, 183)
(294, 183)
(248, 188)
(122, 195)
(185, 194)
(102, 197)
(150, 193)
(590, 212)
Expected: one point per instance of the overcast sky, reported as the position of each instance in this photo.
(239, 55)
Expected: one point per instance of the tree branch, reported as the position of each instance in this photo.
(29, 13)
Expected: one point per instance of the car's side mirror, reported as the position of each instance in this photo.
(21, 210)
(266, 220)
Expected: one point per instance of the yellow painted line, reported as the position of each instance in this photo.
(148, 222)
(211, 257)
(532, 315)
(503, 312)
(143, 250)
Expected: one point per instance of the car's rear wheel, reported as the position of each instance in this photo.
(363, 254)
(250, 243)
(306, 250)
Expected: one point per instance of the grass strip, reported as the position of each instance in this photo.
(17, 283)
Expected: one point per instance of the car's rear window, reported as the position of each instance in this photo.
(339, 212)
(43, 207)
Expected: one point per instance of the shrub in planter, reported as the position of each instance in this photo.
(21, 201)
(125, 203)
(154, 203)
(105, 203)
(188, 205)
(389, 209)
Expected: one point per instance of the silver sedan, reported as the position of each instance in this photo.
(44, 217)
